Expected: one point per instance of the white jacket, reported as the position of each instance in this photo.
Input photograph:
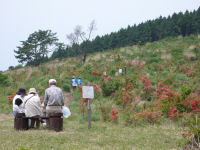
(32, 105)
(15, 107)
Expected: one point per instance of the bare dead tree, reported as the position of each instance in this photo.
(79, 36)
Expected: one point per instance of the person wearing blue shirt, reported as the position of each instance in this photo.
(79, 81)
(74, 82)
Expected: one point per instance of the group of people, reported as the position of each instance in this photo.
(31, 105)
(76, 82)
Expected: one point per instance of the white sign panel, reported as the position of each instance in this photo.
(120, 71)
(88, 92)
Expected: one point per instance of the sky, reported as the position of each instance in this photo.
(20, 18)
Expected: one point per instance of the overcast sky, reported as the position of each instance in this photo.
(19, 18)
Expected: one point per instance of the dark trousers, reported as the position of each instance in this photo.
(35, 120)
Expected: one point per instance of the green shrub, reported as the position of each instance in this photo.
(110, 86)
(181, 77)
(18, 66)
(66, 87)
(11, 68)
(185, 91)
(3, 79)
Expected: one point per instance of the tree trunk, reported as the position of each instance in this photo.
(85, 53)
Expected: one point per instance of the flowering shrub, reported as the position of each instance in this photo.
(192, 102)
(97, 90)
(124, 97)
(96, 73)
(147, 87)
(105, 107)
(169, 102)
(113, 116)
(147, 83)
(149, 117)
(189, 73)
(10, 98)
(173, 112)
(41, 100)
(83, 106)
(173, 104)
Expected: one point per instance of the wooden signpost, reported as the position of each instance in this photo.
(88, 92)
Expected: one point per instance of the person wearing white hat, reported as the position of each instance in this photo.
(53, 99)
(32, 106)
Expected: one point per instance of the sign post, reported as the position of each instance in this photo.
(89, 114)
(88, 92)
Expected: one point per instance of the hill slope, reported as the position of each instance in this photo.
(164, 58)
(170, 63)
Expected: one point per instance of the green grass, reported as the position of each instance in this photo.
(102, 135)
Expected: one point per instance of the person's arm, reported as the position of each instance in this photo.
(39, 105)
(17, 109)
(62, 98)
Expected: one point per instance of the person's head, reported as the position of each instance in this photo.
(32, 91)
(21, 92)
(18, 102)
(52, 82)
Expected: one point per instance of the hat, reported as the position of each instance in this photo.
(52, 81)
(21, 91)
(32, 90)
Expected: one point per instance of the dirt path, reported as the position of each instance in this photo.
(5, 116)
(68, 98)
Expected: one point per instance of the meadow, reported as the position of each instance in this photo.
(148, 106)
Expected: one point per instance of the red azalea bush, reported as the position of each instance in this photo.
(10, 98)
(169, 104)
(113, 116)
(97, 90)
(173, 105)
(192, 103)
(83, 106)
(148, 117)
(124, 97)
(147, 87)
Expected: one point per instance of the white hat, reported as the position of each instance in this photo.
(52, 81)
(32, 90)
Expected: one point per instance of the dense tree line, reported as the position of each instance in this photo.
(152, 30)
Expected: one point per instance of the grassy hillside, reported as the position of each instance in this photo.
(170, 63)
(166, 58)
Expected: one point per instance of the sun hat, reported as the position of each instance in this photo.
(32, 91)
(52, 81)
